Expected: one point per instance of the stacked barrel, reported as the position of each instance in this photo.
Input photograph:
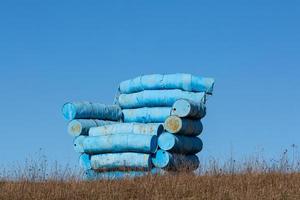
(180, 144)
(123, 149)
(178, 101)
(107, 147)
(153, 125)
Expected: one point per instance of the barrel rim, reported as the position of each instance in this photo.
(74, 123)
(179, 125)
(166, 141)
(66, 111)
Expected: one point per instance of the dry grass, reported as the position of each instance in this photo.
(181, 186)
(256, 178)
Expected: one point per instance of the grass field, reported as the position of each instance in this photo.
(181, 186)
(253, 179)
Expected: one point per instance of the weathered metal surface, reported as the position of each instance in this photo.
(125, 128)
(88, 110)
(188, 108)
(181, 81)
(158, 98)
(179, 144)
(78, 143)
(129, 160)
(171, 161)
(113, 175)
(85, 161)
(183, 126)
(117, 175)
(111, 149)
(78, 127)
(118, 143)
(146, 114)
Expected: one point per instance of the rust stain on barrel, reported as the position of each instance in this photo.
(172, 124)
(151, 129)
(76, 128)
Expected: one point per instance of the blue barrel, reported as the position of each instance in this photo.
(78, 143)
(183, 126)
(135, 128)
(128, 160)
(146, 114)
(118, 143)
(78, 127)
(92, 175)
(85, 161)
(188, 108)
(181, 81)
(171, 161)
(158, 98)
(88, 110)
(180, 144)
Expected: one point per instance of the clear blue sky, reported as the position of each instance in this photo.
(56, 51)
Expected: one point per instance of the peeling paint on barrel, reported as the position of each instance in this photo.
(121, 128)
(81, 126)
(110, 161)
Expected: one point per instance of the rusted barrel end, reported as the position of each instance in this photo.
(173, 124)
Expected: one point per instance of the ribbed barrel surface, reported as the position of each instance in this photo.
(135, 128)
(110, 161)
(183, 126)
(172, 161)
(117, 143)
(179, 144)
(146, 115)
(181, 81)
(78, 127)
(187, 108)
(117, 175)
(85, 161)
(88, 110)
(158, 98)
(78, 143)
(152, 126)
